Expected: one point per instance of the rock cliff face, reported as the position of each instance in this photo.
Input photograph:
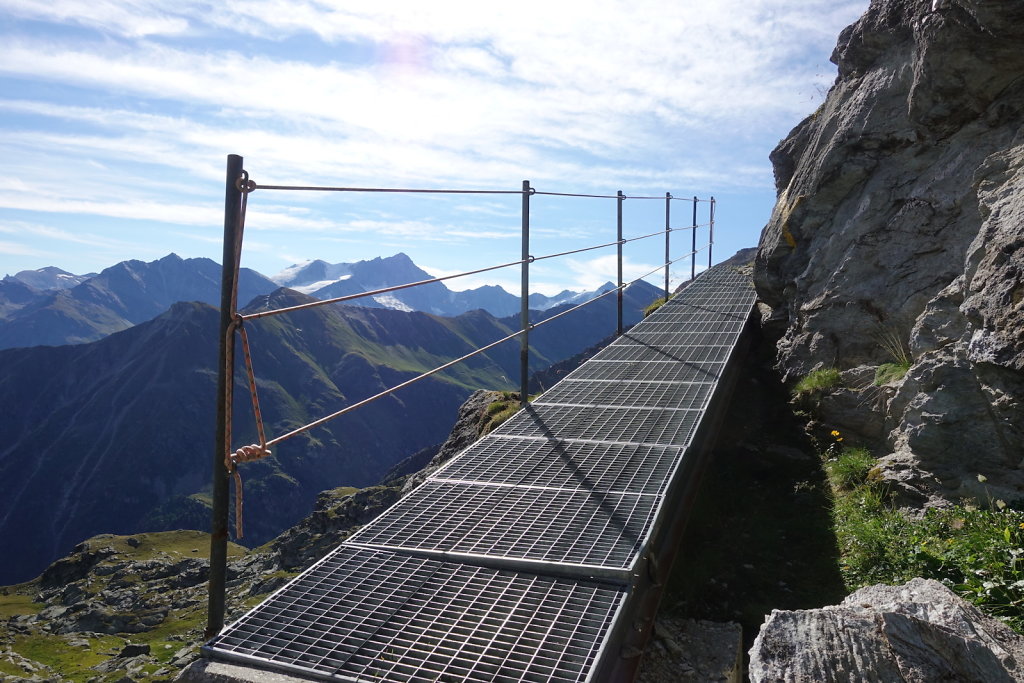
(920, 631)
(899, 231)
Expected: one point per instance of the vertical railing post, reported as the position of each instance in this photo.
(228, 285)
(711, 230)
(524, 302)
(668, 231)
(693, 248)
(618, 204)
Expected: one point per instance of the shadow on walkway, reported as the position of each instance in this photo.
(760, 535)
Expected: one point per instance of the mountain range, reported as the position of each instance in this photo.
(52, 307)
(116, 435)
(328, 280)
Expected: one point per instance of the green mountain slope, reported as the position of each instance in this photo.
(116, 436)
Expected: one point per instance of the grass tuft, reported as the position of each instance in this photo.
(850, 468)
(887, 373)
(818, 381)
(654, 305)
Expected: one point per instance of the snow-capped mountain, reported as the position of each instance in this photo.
(324, 280)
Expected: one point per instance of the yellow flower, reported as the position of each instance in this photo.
(838, 439)
(1021, 525)
(835, 432)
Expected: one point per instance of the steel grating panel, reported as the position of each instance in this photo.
(573, 529)
(669, 338)
(637, 337)
(622, 425)
(648, 372)
(675, 354)
(721, 301)
(364, 615)
(722, 277)
(631, 468)
(445, 584)
(626, 394)
(684, 314)
(690, 325)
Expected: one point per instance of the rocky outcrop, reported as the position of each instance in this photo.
(899, 235)
(920, 631)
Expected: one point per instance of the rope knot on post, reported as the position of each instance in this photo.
(249, 453)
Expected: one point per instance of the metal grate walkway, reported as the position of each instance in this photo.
(518, 560)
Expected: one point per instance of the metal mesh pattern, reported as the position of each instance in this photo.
(362, 615)
(571, 486)
(682, 337)
(591, 528)
(621, 425)
(649, 372)
(643, 352)
(631, 468)
(626, 394)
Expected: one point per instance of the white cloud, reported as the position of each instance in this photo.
(603, 81)
(128, 18)
(647, 95)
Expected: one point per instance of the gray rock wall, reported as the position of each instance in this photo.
(920, 631)
(900, 215)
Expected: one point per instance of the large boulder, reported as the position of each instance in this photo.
(918, 632)
(899, 231)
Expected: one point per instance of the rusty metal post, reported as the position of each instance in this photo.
(668, 231)
(228, 285)
(711, 230)
(618, 203)
(524, 303)
(693, 249)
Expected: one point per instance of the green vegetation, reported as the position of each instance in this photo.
(850, 468)
(18, 600)
(977, 551)
(654, 305)
(887, 373)
(148, 546)
(8, 669)
(817, 381)
(70, 656)
(890, 340)
(499, 411)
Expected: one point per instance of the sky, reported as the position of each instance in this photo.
(117, 116)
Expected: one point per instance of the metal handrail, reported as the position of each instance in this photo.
(238, 186)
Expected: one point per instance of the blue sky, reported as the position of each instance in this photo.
(116, 118)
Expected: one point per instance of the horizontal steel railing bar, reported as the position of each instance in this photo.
(644, 237)
(374, 292)
(652, 272)
(395, 288)
(253, 186)
(577, 194)
(387, 392)
(576, 251)
(315, 188)
(534, 326)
